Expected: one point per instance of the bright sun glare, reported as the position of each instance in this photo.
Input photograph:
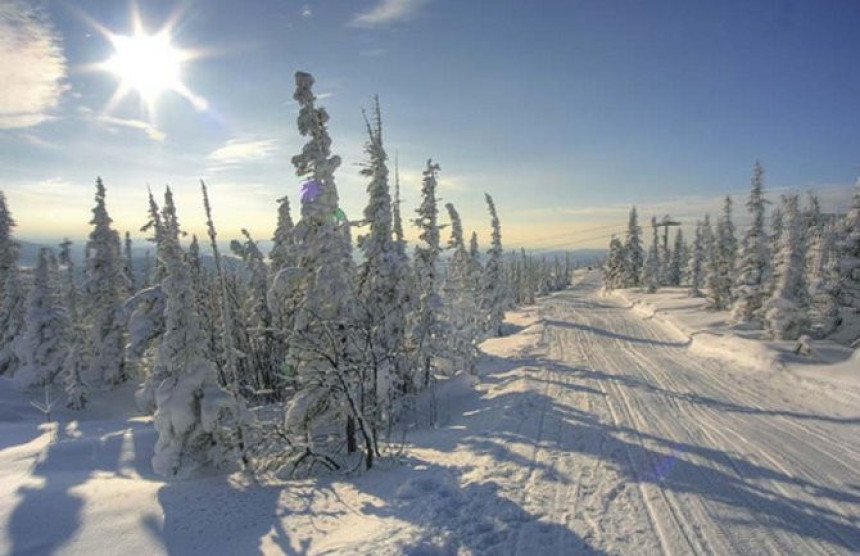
(147, 64)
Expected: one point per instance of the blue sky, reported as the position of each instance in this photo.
(566, 111)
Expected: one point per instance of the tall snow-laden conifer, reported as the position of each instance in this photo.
(128, 264)
(380, 288)
(397, 219)
(786, 311)
(320, 342)
(650, 280)
(145, 315)
(634, 251)
(849, 254)
(283, 238)
(70, 289)
(676, 263)
(495, 287)
(773, 247)
(190, 407)
(696, 263)
(476, 277)
(44, 345)
(711, 266)
(12, 293)
(824, 282)
(721, 275)
(750, 288)
(426, 325)
(104, 288)
(460, 306)
(614, 269)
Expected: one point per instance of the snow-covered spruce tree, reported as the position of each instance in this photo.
(750, 289)
(128, 264)
(191, 409)
(527, 284)
(849, 254)
(476, 283)
(425, 326)
(283, 238)
(711, 267)
(773, 247)
(665, 259)
(104, 288)
(70, 288)
(153, 225)
(8, 247)
(229, 367)
(381, 313)
(824, 283)
(635, 252)
(320, 347)
(786, 311)
(396, 217)
(721, 276)
(460, 304)
(264, 350)
(695, 267)
(207, 306)
(144, 312)
(73, 379)
(494, 296)
(615, 267)
(676, 263)
(12, 293)
(74, 365)
(650, 280)
(44, 345)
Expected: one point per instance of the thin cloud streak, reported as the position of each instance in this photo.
(150, 130)
(32, 66)
(239, 151)
(387, 12)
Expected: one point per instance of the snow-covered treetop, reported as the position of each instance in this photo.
(496, 242)
(315, 160)
(456, 240)
(428, 212)
(279, 255)
(8, 248)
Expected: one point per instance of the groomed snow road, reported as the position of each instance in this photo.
(592, 430)
(640, 447)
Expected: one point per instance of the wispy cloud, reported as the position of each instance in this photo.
(307, 11)
(149, 129)
(239, 151)
(32, 66)
(373, 52)
(386, 12)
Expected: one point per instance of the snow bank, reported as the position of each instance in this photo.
(713, 334)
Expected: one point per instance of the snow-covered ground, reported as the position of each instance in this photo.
(712, 334)
(596, 428)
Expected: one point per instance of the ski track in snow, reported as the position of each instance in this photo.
(593, 430)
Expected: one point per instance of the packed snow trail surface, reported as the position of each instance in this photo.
(704, 457)
(592, 430)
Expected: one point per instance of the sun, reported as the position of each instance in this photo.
(147, 64)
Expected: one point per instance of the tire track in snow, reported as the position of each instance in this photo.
(720, 428)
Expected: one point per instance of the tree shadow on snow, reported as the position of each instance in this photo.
(454, 518)
(218, 515)
(46, 517)
(616, 335)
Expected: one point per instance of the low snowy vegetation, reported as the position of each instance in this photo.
(301, 360)
(800, 277)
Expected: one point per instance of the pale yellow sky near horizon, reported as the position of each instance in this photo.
(51, 210)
